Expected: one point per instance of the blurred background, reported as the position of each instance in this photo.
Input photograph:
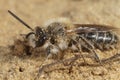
(36, 12)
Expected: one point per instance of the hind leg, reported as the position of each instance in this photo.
(91, 48)
(80, 51)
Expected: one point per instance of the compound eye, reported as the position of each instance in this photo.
(41, 36)
(39, 31)
(41, 41)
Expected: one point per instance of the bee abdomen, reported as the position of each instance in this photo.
(105, 37)
(102, 40)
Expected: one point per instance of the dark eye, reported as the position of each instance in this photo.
(39, 31)
(41, 36)
(41, 41)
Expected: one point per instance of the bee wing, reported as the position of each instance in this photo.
(79, 28)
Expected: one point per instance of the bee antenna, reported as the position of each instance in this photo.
(15, 16)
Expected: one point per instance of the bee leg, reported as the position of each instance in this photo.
(48, 56)
(43, 65)
(96, 56)
(101, 47)
(48, 67)
(92, 49)
(48, 49)
(78, 46)
(80, 51)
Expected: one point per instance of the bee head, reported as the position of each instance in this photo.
(37, 38)
(41, 36)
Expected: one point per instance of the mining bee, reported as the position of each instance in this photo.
(58, 36)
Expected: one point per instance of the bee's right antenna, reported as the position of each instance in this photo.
(20, 20)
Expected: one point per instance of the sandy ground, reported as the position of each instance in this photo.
(36, 12)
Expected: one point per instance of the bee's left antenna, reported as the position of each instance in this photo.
(20, 20)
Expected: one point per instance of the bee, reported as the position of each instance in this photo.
(58, 36)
